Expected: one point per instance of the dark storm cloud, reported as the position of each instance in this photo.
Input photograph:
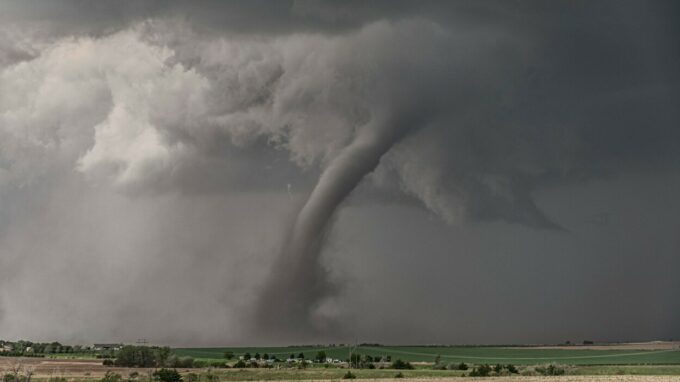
(468, 109)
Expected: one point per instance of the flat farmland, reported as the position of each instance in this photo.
(476, 355)
(67, 368)
(80, 370)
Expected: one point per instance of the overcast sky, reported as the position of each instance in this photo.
(285, 172)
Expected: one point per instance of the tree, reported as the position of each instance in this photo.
(257, 356)
(138, 356)
(240, 364)
(246, 356)
(265, 356)
(321, 356)
(301, 356)
(167, 375)
(355, 359)
(162, 354)
(228, 354)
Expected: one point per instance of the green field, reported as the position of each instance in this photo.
(475, 355)
(420, 373)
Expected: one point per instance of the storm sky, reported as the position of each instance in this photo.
(286, 172)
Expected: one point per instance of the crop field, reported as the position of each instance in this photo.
(474, 355)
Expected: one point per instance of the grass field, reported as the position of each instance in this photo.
(336, 374)
(476, 355)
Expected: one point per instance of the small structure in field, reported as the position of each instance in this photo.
(102, 347)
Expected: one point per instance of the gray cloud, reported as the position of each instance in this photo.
(150, 141)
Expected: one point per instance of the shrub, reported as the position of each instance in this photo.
(240, 364)
(399, 364)
(550, 370)
(167, 375)
(186, 362)
(111, 377)
(181, 362)
(481, 371)
(8, 378)
(349, 375)
(107, 362)
(399, 375)
(191, 377)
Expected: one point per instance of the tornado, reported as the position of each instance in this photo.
(298, 282)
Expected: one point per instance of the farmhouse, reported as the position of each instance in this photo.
(100, 347)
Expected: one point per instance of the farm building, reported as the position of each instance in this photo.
(100, 347)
